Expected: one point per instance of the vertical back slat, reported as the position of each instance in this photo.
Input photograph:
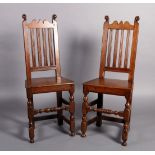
(50, 46)
(121, 49)
(115, 48)
(39, 47)
(127, 49)
(44, 47)
(33, 47)
(109, 48)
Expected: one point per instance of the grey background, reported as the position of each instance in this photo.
(80, 32)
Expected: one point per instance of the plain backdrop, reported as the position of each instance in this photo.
(80, 34)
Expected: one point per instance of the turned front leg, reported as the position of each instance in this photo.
(31, 121)
(72, 110)
(127, 113)
(84, 115)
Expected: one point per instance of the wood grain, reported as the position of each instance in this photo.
(50, 47)
(39, 47)
(121, 49)
(44, 47)
(127, 49)
(109, 48)
(115, 48)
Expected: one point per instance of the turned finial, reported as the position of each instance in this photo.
(137, 18)
(54, 17)
(24, 17)
(107, 18)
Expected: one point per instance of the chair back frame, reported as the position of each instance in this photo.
(40, 46)
(117, 65)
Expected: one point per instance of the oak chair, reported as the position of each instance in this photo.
(42, 54)
(118, 54)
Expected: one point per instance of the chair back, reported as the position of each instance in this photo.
(41, 46)
(119, 47)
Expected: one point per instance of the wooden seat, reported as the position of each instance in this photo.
(42, 54)
(49, 84)
(119, 46)
(107, 86)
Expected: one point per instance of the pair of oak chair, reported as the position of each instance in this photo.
(118, 54)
